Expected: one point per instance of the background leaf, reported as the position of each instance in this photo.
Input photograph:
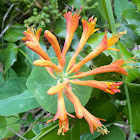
(17, 104)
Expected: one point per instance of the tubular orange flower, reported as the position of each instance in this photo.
(53, 41)
(38, 50)
(94, 123)
(72, 24)
(62, 115)
(30, 36)
(110, 87)
(103, 46)
(114, 67)
(55, 89)
(88, 29)
(45, 63)
(75, 101)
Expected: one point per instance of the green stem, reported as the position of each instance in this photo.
(110, 17)
(32, 124)
(26, 56)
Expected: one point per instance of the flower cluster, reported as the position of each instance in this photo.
(63, 88)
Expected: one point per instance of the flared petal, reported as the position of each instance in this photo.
(53, 41)
(94, 123)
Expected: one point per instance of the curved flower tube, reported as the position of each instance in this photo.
(62, 115)
(109, 87)
(45, 63)
(114, 67)
(103, 46)
(53, 41)
(88, 29)
(75, 101)
(94, 123)
(72, 24)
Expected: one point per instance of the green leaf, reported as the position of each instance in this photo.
(8, 56)
(137, 2)
(11, 123)
(14, 34)
(102, 105)
(89, 136)
(133, 19)
(134, 91)
(17, 104)
(116, 133)
(60, 27)
(11, 87)
(121, 5)
(40, 81)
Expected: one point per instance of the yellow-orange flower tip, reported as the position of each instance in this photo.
(59, 87)
(53, 41)
(94, 123)
(31, 36)
(45, 63)
(112, 87)
(38, 50)
(74, 100)
(89, 27)
(114, 39)
(109, 87)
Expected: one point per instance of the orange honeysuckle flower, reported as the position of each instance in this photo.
(62, 115)
(53, 41)
(75, 101)
(88, 29)
(103, 46)
(72, 24)
(114, 67)
(30, 36)
(45, 63)
(94, 123)
(55, 89)
(109, 87)
(38, 50)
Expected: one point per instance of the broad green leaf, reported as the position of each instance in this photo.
(116, 133)
(14, 34)
(134, 91)
(133, 19)
(40, 81)
(104, 106)
(17, 104)
(121, 5)
(137, 2)
(8, 56)
(89, 136)
(51, 52)
(11, 123)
